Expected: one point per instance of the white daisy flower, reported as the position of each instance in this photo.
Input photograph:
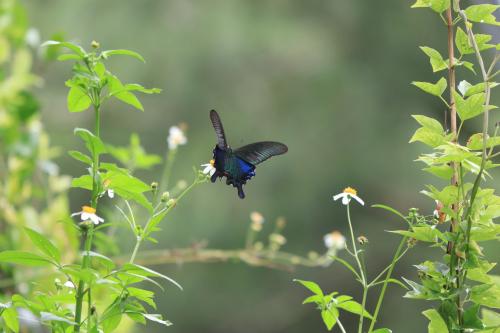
(209, 168)
(88, 213)
(334, 240)
(348, 194)
(176, 137)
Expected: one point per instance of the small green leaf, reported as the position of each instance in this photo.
(438, 6)
(312, 286)
(157, 318)
(92, 142)
(437, 61)
(464, 46)
(354, 307)
(436, 324)
(10, 318)
(80, 157)
(108, 53)
(318, 299)
(470, 107)
(471, 318)
(78, 100)
(48, 316)
(70, 46)
(145, 271)
(382, 330)
(138, 87)
(330, 317)
(435, 89)
(23, 258)
(487, 295)
(482, 13)
(43, 244)
(117, 90)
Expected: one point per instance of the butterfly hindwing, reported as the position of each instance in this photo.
(219, 130)
(258, 152)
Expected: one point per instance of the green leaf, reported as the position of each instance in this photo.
(354, 307)
(43, 244)
(435, 89)
(141, 270)
(330, 317)
(490, 319)
(77, 99)
(436, 324)
(312, 286)
(438, 6)
(68, 56)
(482, 13)
(475, 142)
(470, 107)
(108, 262)
(92, 142)
(471, 318)
(84, 182)
(318, 299)
(437, 61)
(487, 295)
(70, 46)
(117, 90)
(23, 258)
(382, 330)
(390, 209)
(479, 88)
(108, 53)
(157, 318)
(431, 133)
(464, 46)
(430, 123)
(347, 265)
(80, 157)
(138, 87)
(10, 318)
(48, 316)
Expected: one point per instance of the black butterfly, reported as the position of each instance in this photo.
(238, 165)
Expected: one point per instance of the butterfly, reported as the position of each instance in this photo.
(238, 165)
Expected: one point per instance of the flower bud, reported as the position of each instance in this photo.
(165, 196)
(171, 203)
(95, 45)
(362, 240)
(154, 186)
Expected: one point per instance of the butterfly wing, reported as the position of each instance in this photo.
(219, 130)
(258, 152)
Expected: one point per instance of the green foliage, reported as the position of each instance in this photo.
(460, 282)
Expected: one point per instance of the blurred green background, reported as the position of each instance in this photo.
(331, 79)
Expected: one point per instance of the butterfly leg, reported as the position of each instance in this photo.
(241, 194)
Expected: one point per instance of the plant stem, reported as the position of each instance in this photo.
(341, 326)
(89, 232)
(361, 271)
(140, 237)
(386, 282)
(167, 171)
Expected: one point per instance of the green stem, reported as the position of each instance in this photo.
(386, 282)
(167, 171)
(89, 233)
(361, 271)
(140, 237)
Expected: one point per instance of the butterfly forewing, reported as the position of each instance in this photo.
(258, 152)
(219, 130)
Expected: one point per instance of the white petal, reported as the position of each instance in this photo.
(358, 199)
(212, 171)
(86, 216)
(111, 193)
(75, 214)
(346, 199)
(338, 196)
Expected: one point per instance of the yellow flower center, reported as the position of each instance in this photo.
(88, 209)
(350, 190)
(107, 182)
(212, 162)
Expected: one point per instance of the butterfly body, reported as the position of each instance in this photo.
(238, 166)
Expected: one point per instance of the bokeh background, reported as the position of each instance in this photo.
(331, 79)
